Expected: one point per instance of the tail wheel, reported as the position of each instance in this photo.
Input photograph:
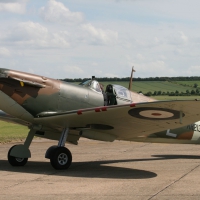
(61, 158)
(14, 161)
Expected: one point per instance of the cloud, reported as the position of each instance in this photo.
(111, 75)
(73, 69)
(160, 39)
(81, 32)
(59, 39)
(193, 70)
(178, 39)
(140, 56)
(30, 30)
(101, 73)
(35, 35)
(156, 68)
(4, 52)
(184, 37)
(98, 36)
(57, 12)
(181, 9)
(18, 7)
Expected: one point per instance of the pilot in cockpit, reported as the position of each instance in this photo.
(110, 95)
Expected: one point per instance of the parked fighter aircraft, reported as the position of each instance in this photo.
(65, 112)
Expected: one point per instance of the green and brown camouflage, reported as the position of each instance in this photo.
(37, 94)
(40, 95)
(63, 111)
(189, 134)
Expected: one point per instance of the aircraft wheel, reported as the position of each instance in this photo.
(14, 161)
(61, 158)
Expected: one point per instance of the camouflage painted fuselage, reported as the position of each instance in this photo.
(37, 94)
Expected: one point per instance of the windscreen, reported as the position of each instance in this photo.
(86, 83)
(92, 84)
(122, 92)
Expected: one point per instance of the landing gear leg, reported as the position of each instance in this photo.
(18, 155)
(60, 157)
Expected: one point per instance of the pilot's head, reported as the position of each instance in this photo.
(109, 88)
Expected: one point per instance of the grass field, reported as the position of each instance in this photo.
(191, 83)
(151, 86)
(163, 98)
(10, 132)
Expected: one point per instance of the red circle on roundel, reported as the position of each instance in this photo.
(156, 114)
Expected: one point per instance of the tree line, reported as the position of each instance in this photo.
(107, 79)
(194, 88)
(176, 93)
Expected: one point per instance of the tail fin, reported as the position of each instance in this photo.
(131, 78)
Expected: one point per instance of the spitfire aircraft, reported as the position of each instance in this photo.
(62, 111)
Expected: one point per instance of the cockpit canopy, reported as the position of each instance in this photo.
(92, 84)
(122, 92)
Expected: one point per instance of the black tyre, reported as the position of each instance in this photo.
(61, 158)
(14, 161)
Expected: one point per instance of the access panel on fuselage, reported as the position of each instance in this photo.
(73, 97)
(96, 98)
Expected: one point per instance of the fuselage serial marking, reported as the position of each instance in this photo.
(194, 127)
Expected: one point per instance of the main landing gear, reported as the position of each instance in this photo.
(60, 157)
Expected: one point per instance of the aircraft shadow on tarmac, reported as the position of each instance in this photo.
(166, 157)
(91, 169)
(94, 169)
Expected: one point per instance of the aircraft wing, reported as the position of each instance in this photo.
(124, 122)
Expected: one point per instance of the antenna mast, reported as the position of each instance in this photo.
(131, 79)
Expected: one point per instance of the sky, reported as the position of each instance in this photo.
(81, 38)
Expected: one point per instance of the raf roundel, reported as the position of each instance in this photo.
(153, 113)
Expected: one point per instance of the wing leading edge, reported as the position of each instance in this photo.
(125, 122)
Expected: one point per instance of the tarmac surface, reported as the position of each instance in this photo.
(101, 170)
